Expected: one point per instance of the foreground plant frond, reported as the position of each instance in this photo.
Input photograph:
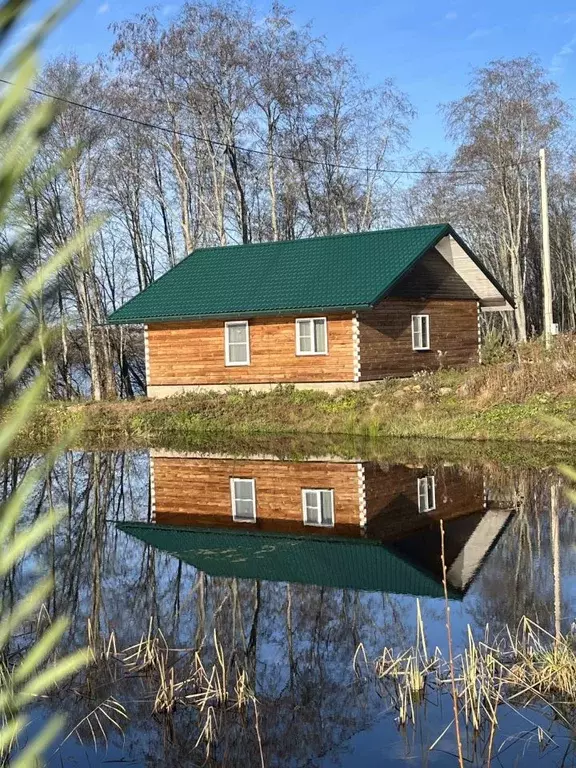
(21, 340)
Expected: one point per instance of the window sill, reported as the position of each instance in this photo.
(319, 525)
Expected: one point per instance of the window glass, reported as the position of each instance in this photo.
(416, 338)
(305, 335)
(237, 334)
(320, 336)
(243, 499)
(311, 507)
(311, 336)
(237, 344)
(237, 353)
(424, 331)
(326, 498)
(420, 332)
(426, 494)
(318, 506)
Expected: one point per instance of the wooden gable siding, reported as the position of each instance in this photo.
(188, 353)
(426, 544)
(392, 498)
(386, 336)
(190, 491)
(433, 278)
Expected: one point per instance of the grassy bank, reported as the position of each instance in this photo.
(528, 396)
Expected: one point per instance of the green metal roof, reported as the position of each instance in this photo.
(335, 561)
(339, 272)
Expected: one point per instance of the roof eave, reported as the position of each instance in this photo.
(480, 266)
(447, 230)
(236, 315)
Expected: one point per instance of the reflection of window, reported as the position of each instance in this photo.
(237, 343)
(318, 506)
(420, 332)
(426, 493)
(243, 493)
(311, 336)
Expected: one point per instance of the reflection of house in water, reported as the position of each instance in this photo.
(346, 524)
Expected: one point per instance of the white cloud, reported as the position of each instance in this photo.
(481, 32)
(568, 49)
(559, 58)
(564, 18)
(451, 15)
(104, 8)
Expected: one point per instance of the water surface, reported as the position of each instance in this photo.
(278, 609)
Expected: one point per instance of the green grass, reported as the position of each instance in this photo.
(292, 425)
(520, 402)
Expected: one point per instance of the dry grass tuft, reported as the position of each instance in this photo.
(544, 666)
(407, 673)
(151, 674)
(532, 371)
(530, 667)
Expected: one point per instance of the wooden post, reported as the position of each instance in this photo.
(546, 269)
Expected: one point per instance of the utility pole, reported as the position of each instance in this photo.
(546, 270)
(555, 545)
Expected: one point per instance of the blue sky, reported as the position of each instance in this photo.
(428, 48)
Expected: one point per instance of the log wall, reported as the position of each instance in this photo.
(386, 337)
(196, 491)
(392, 498)
(192, 353)
(433, 278)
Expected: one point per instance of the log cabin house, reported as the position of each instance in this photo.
(326, 312)
(346, 524)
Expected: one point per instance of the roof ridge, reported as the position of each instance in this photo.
(338, 235)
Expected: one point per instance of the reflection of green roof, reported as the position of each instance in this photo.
(337, 562)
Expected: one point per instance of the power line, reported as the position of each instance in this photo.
(228, 147)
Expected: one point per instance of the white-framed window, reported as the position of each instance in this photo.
(426, 494)
(237, 342)
(318, 506)
(243, 496)
(420, 332)
(311, 336)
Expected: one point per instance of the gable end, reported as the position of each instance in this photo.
(491, 295)
(432, 277)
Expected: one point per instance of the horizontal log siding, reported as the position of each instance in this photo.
(392, 498)
(197, 492)
(386, 337)
(193, 353)
(433, 278)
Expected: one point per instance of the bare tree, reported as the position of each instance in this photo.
(511, 109)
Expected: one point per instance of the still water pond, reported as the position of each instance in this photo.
(236, 605)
